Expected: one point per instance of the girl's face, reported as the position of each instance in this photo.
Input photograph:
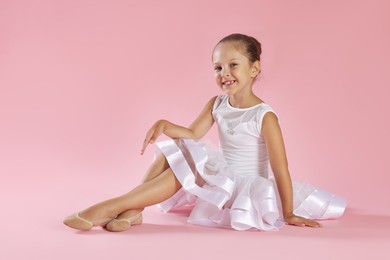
(233, 71)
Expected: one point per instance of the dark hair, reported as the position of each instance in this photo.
(251, 46)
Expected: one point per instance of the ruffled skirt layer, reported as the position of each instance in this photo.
(222, 198)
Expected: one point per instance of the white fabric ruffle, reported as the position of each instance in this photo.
(222, 198)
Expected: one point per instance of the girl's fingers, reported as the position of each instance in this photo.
(309, 223)
(150, 138)
(152, 135)
(143, 148)
(146, 141)
(312, 223)
(303, 222)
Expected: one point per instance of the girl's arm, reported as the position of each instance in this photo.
(197, 129)
(277, 155)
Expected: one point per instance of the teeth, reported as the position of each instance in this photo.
(229, 82)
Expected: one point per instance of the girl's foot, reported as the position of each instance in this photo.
(125, 220)
(87, 219)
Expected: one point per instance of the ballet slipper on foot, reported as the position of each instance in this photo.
(122, 224)
(77, 222)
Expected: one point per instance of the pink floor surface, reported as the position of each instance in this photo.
(34, 204)
(34, 234)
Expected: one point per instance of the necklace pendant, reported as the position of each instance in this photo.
(231, 132)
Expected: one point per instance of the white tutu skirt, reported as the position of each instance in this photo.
(222, 198)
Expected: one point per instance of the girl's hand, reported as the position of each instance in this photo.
(154, 132)
(300, 221)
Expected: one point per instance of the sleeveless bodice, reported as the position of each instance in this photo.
(240, 137)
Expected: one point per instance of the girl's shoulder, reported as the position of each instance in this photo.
(219, 100)
(266, 113)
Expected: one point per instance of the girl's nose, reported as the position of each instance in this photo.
(225, 72)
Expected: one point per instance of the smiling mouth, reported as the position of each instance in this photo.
(228, 83)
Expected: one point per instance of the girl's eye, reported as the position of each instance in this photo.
(233, 65)
(217, 68)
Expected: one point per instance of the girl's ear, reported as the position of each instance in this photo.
(256, 68)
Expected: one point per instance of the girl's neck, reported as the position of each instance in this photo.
(244, 100)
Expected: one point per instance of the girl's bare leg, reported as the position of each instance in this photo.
(149, 193)
(158, 166)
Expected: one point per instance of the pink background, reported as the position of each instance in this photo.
(82, 81)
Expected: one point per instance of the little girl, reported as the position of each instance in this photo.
(229, 185)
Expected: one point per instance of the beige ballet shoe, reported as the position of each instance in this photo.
(80, 223)
(122, 224)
